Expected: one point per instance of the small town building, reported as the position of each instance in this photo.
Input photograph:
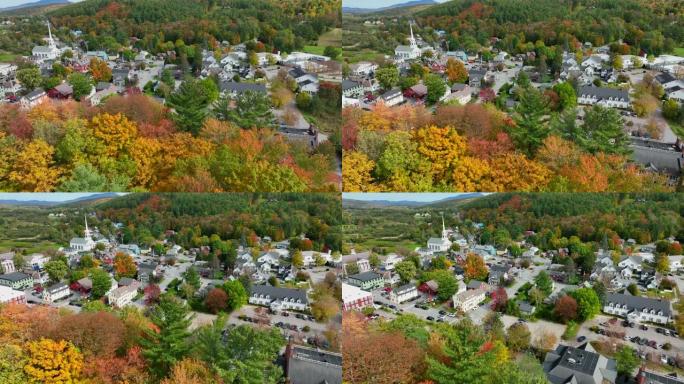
(579, 365)
(367, 281)
(355, 298)
(305, 365)
(56, 292)
(16, 280)
(469, 299)
(637, 309)
(404, 293)
(278, 298)
(11, 296)
(122, 296)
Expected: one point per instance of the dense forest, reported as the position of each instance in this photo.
(591, 217)
(653, 27)
(281, 26)
(237, 217)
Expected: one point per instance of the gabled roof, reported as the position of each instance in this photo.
(604, 93)
(366, 276)
(232, 86)
(14, 276)
(637, 303)
(277, 293)
(313, 366)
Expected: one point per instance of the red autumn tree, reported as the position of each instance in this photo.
(499, 299)
(566, 308)
(216, 300)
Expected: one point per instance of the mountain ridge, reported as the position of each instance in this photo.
(412, 3)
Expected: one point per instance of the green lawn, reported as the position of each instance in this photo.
(677, 129)
(391, 245)
(314, 49)
(7, 57)
(363, 55)
(679, 51)
(30, 246)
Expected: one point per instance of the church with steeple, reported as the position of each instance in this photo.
(408, 52)
(46, 52)
(440, 244)
(85, 243)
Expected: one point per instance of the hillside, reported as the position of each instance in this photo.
(409, 5)
(281, 26)
(655, 27)
(34, 9)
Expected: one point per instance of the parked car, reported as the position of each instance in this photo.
(643, 327)
(430, 318)
(581, 339)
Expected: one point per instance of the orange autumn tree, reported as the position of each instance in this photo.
(190, 371)
(474, 267)
(356, 174)
(53, 362)
(124, 266)
(115, 132)
(100, 70)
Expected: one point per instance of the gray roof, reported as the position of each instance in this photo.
(348, 84)
(277, 293)
(231, 86)
(639, 303)
(602, 93)
(391, 93)
(125, 281)
(665, 77)
(14, 276)
(656, 378)
(474, 284)
(147, 266)
(313, 366)
(366, 276)
(404, 288)
(64, 89)
(526, 307)
(56, 287)
(499, 269)
(79, 240)
(36, 93)
(664, 157)
(579, 365)
(404, 48)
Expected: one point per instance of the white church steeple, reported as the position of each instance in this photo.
(412, 40)
(86, 232)
(51, 41)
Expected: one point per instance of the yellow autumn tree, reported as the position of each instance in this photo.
(356, 174)
(515, 172)
(145, 152)
(33, 169)
(472, 174)
(190, 371)
(456, 71)
(53, 362)
(116, 132)
(442, 146)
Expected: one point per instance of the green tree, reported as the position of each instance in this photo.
(332, 52)
(30, 78)
(297, 259)
(102, 282)
(242, 355)
(192, 277)
(166, 343)
(57, 270)
(588, 303)
(12, 362)
(237, 294)
(627, 360)
(85, 177)
(387, 76)
(406, 270)
(436, 87)
(190, 105)
(81, 84)
(671, 110)
(518, 337)
(544, 282)
(603, 131)
(566, 95)
(531, 123)
(251, 109)
(303, 100)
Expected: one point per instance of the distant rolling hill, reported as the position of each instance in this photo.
(96, 197)
(409, 4)
(34, 8)
(365, 204)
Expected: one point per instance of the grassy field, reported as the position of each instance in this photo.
(7, 57)
(332, 37)
(389, 244)
(363, 55)
(677, 129)
(679, 51)
(314, 49)
(30, 246)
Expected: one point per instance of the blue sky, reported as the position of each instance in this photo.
(12, 3)
(43, 196)
(422, 197)
(373, 3)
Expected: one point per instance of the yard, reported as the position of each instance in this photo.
(363, 55)
(679, 51)
(7, 57)
(677, 129)
(331, 38)
(30, 246)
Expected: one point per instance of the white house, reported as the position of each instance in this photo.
(50, 52)
(363, 68)
(36, 261)
(635, 308)
(122, 296)
(9, 295)
(7, 266)
(389, 261)
(403, 293)
(33, 98)
(407, 52)
(437, 244)
(85, 243)
(675, 262)
(392, 97)
(469, 299)
(632, 262)
(56, 292)
(606, 97)
(355, 298)
(278, 298)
